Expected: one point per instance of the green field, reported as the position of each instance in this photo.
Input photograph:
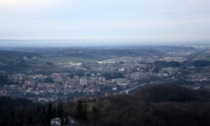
(62, 60)
(202, 57)
(90, 106)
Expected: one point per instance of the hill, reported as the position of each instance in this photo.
(11, 61)
(23, 62)
(152, 105)
(156, 105)
(18, 111)
(170, 93)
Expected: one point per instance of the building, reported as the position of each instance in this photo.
(55, 122)
(83, 81)
(135, 76)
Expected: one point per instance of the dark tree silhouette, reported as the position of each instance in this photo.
(49, 110)
(80, 111)
(60, 110)
(94, 115)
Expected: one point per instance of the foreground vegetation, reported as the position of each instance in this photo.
(160, 105)
(156, 105)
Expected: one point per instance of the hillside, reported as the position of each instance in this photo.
(22, 62)
(170, 93)
(156, 105)
(11, 61)
(152, 105)
(22, 112)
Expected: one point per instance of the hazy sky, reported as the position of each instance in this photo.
(139, 20)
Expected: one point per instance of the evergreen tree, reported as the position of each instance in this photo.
(49, 110)
(54, 112)
(60, 110)
(94, 115)
(80, 111)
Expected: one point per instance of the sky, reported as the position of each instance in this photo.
(127, 20)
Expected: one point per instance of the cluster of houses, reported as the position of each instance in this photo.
(56, 86)
(69, 121)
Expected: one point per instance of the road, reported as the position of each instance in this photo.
(126, 91)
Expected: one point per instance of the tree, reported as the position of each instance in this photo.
(201, 63)
(49, 110)
(54, 112)
(4, 79)
(80, 111)
(94, 115)
(60, 109)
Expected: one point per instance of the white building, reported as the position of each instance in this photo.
(55, 122)
(135, 76)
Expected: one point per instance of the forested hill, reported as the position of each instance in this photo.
(170, 93)
(21, 62)
(16, 54)
(15, 61)
(104, 52)
(157, 105)
(152, 105)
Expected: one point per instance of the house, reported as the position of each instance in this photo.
(55, 122)
(69, 121)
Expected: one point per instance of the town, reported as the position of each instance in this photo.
(103, 77)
